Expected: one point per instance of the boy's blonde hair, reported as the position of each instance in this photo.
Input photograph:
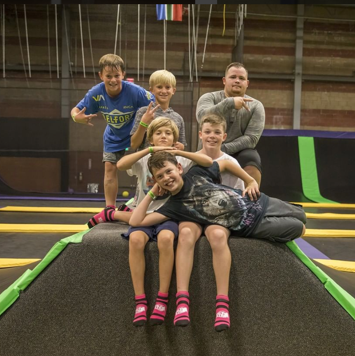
(162, 77)
(111, 60)
(162, 122)
(214, 119)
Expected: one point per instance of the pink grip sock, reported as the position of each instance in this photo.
(160, 307)
(140, 316)
(222, 321)
(182, 317)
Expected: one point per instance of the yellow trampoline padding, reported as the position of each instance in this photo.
(327, 205)
(43, 209)
(15, 262)
(330, 216)
(345, 266)
(329, 233)
(42, 228)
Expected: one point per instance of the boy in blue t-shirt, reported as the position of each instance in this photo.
(118, 101)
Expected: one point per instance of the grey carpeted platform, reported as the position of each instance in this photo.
(82, 304)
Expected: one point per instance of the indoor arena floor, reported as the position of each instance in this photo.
(30, 245)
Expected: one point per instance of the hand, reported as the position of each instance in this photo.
(179, 146)
(156, 190)
(148, 116)
(241, 102)
(252, 189)
(81, 118)
(163, 148)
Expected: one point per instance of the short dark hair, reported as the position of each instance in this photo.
(235, 64)
(158, 159)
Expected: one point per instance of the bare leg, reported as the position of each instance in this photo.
(166, 259)
(304, 230)
(189, 233)
(110, 183)
(218, 236)
(254, 172)
(137, 242)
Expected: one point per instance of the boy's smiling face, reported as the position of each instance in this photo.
(163, 136)
(112, 77)
(212, 136)
(163, 94)
(169, 177)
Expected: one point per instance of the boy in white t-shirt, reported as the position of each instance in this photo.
(162, 134)
(212, 134)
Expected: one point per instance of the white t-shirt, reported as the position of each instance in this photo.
(228, 178)
(145, 182)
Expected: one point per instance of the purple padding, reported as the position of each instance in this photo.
(309, 133)
(310, 250)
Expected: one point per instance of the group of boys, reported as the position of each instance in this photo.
(180, 193)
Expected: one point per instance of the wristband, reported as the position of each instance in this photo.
(151, 150)
(152, 195)
(143, 124)
(73, 117)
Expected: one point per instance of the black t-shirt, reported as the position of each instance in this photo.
(204, 201)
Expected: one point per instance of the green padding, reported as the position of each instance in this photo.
(9, 296)
(309, 173)
(339, 294)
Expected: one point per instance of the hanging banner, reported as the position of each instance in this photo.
(170, 12)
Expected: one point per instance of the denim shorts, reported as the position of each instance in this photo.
(113, 157)
(153, 231)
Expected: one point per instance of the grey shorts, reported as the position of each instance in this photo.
(113, 157)
(248, 157)
(282, 222)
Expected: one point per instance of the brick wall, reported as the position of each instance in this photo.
(269, 49)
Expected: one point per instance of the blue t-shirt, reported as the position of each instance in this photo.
(203, 200)
(119, 112)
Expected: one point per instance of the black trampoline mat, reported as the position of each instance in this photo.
(44, 218)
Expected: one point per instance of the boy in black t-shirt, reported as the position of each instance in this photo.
(198, 197)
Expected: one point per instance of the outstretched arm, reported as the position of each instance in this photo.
(199, 158)
(128, 161)
(209, 104)
(140, 217)
(251, 186)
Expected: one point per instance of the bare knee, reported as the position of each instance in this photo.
(187, 237)
(218, 239)
(165, 240)
(110, 171)
(137, 241)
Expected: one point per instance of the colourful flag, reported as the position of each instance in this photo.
(172, 12)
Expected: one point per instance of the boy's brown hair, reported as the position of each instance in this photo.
(158, 159)
(214, 119)
(162, 77)
(162, 122)
(111, 60)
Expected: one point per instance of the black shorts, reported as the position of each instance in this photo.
(248, 157)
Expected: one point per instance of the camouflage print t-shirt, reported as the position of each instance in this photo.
(204, 201)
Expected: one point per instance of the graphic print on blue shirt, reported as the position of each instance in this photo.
(119, 112)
